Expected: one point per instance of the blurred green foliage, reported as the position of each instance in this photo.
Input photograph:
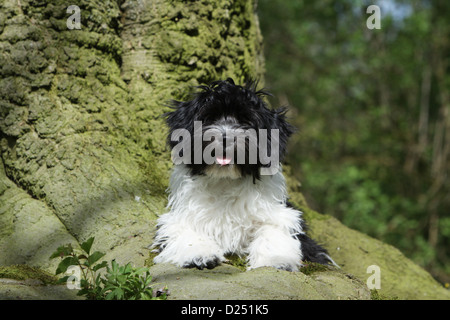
(373, 112)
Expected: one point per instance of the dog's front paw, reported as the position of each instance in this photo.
(203, 262)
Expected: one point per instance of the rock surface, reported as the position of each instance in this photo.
(34, 290)
(225, 282)
(355, 252)
(228, 282)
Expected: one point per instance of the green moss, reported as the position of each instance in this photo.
(376, 295)
(210, 40)
(312, 267)
(309, 214)
(149, 261)
(24, 272)
(237, 261)
(355, 252)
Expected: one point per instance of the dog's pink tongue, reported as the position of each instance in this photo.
(223, 161)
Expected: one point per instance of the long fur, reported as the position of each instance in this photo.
(216, 210)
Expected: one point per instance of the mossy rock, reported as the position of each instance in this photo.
(24, 272)
(229, 282)
(354, 252)
(22, 282)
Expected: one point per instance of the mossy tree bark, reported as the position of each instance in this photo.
(82, 143)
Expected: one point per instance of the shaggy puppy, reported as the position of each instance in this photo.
(227, 194)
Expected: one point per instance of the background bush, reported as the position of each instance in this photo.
(373, 112)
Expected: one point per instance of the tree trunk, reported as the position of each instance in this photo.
(82, 143)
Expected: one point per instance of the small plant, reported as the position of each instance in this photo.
(118, 283)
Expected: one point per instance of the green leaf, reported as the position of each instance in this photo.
(66, 263)
(62, 251)
(93, 258)
(84, 283)
(119, 293)
(144, 296)
(140, 270)
(147, 281)
(82, 292)
(110, 296)
(86, 246)
(127, 269)
(63, 280)
(114, 266)
(82, 256)
(121, 279)
(103, 264)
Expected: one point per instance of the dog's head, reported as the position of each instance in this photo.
(227, 130)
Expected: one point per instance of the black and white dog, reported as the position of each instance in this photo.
(227, 194)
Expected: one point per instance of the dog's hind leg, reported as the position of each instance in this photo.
(312, 251)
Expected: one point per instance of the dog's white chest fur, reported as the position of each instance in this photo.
(210, 217)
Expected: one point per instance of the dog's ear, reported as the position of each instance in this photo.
(281, 122)
(284, 127)
(178, 116)
(184, 113)
(181, 117)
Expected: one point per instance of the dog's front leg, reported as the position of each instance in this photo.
(187, 248)
(274, 247)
